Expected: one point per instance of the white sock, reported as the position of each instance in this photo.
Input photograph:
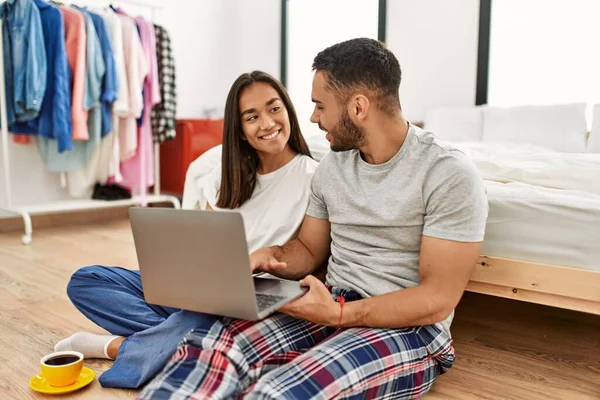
(90, 345)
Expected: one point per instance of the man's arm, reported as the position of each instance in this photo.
(299, 257)
(445, 268)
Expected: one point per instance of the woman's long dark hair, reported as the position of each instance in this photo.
(239, 160)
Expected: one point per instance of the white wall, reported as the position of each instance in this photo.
(197, 33)
(213, 42)
(356, 18)
(434, 40)
(564, 66)
(436, 44)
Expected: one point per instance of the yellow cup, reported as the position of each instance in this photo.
(62, 368)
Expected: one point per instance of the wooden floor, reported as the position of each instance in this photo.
(506, 350)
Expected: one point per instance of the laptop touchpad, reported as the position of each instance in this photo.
(270, 286)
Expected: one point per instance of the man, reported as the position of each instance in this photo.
(402, 217)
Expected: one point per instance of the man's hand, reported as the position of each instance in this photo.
(316, 305)
(298, 257)
(263, 260)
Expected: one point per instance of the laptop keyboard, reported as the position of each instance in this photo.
(265, 301)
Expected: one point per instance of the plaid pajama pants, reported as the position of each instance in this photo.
(285, 358)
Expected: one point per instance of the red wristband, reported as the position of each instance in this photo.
(341, 300)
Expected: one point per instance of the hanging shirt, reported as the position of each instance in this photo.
(110, 82)
(94, 73)
(75, 41)
(120, 107)
(54, 120)
(138, 172)
(163, 115)
(94, 62)
(81, 183)
(114, 30)
(93, 81)
(136, 69)
(24, 60)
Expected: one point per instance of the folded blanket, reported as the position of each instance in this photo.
(515, 162)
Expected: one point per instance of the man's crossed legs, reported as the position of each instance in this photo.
(285, 358)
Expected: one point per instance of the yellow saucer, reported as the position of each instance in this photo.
(39, 384)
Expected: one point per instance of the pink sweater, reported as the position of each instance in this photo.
(75, 41)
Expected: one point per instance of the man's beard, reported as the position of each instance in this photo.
(346, 134)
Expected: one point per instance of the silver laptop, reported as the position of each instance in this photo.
(198, 261)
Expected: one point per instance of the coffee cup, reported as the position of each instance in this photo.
(61, 368)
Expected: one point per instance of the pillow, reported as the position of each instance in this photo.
(318, 146)
(559, 127)
(455, 124)
(593, 144)
(197, 176)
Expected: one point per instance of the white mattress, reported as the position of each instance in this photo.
(543, 225)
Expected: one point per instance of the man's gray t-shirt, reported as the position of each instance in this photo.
(378, 213)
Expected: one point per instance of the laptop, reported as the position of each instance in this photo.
(198, 261)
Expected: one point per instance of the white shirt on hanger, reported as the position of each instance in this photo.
(121, 104)
(136, 68)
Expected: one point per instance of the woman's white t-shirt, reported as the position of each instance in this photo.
(272, 216)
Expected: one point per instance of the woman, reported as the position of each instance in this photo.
(267, 167)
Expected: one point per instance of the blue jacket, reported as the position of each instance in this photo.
(54, 121)
(110, 82)
(24, 59)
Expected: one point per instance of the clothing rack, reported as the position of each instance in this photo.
(72, 204)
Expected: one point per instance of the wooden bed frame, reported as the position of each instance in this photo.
(565, 287)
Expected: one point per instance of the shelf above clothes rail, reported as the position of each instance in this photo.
(70, 204)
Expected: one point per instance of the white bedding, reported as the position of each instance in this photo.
(542, 225)
(496, 161)
(512, 162)
(516, 162)
(526, 221)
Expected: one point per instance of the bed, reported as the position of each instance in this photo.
(541, 168)
(542, 245)
(542, 241)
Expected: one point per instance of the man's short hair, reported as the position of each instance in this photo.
(360, 64)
